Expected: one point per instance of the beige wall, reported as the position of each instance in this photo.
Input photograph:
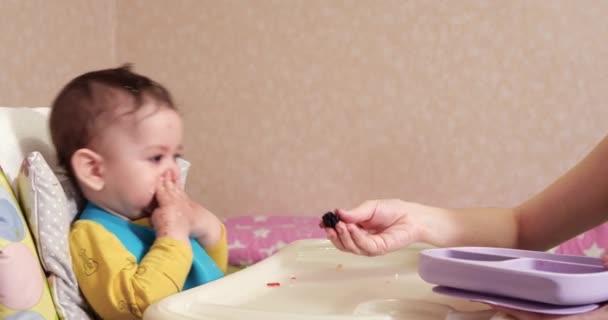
(296, 107)
(44, 44)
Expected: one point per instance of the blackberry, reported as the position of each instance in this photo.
(330, 219)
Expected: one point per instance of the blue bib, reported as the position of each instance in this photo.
(138, 240)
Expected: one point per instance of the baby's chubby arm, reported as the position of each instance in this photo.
(113, 282)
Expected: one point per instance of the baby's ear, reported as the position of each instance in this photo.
(88, 168)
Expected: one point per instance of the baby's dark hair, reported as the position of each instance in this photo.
(77, 108)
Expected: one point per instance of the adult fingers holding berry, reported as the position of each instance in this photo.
(376, 227)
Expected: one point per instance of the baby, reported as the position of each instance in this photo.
(140, 237)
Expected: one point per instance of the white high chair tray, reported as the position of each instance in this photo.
(316, 281)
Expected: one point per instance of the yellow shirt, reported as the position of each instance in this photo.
(112, 281)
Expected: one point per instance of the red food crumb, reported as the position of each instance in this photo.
(273, 284)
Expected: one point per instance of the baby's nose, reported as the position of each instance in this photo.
(173, 172)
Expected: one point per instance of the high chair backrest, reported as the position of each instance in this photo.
(28, 158)
(24, 292)
(23, 130)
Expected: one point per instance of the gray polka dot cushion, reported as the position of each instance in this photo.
(51, 203)
(50, 211)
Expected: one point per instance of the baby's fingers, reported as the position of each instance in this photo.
(165, 192)
(161, 195)
(170, 186)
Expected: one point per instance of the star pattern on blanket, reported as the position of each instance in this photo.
(594, 251)
(236, 245)
(261, 233)
(272, 249)
(254, 238)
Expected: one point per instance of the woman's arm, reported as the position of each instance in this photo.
(574, 203)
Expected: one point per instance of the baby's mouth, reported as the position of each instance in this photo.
(151, 206)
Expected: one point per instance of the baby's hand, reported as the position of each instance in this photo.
(206, 227)
(172, 217)
(203, 225)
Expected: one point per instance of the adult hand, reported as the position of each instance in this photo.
(377, 227)
(597, 314)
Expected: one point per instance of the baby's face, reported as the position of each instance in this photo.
(137, 150)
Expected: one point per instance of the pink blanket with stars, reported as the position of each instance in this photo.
(591, 243)
(253, 238)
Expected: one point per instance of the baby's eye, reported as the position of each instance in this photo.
(177, 156)
(156, 158)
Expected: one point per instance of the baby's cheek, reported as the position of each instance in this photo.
(145, 189)
(143, 198)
